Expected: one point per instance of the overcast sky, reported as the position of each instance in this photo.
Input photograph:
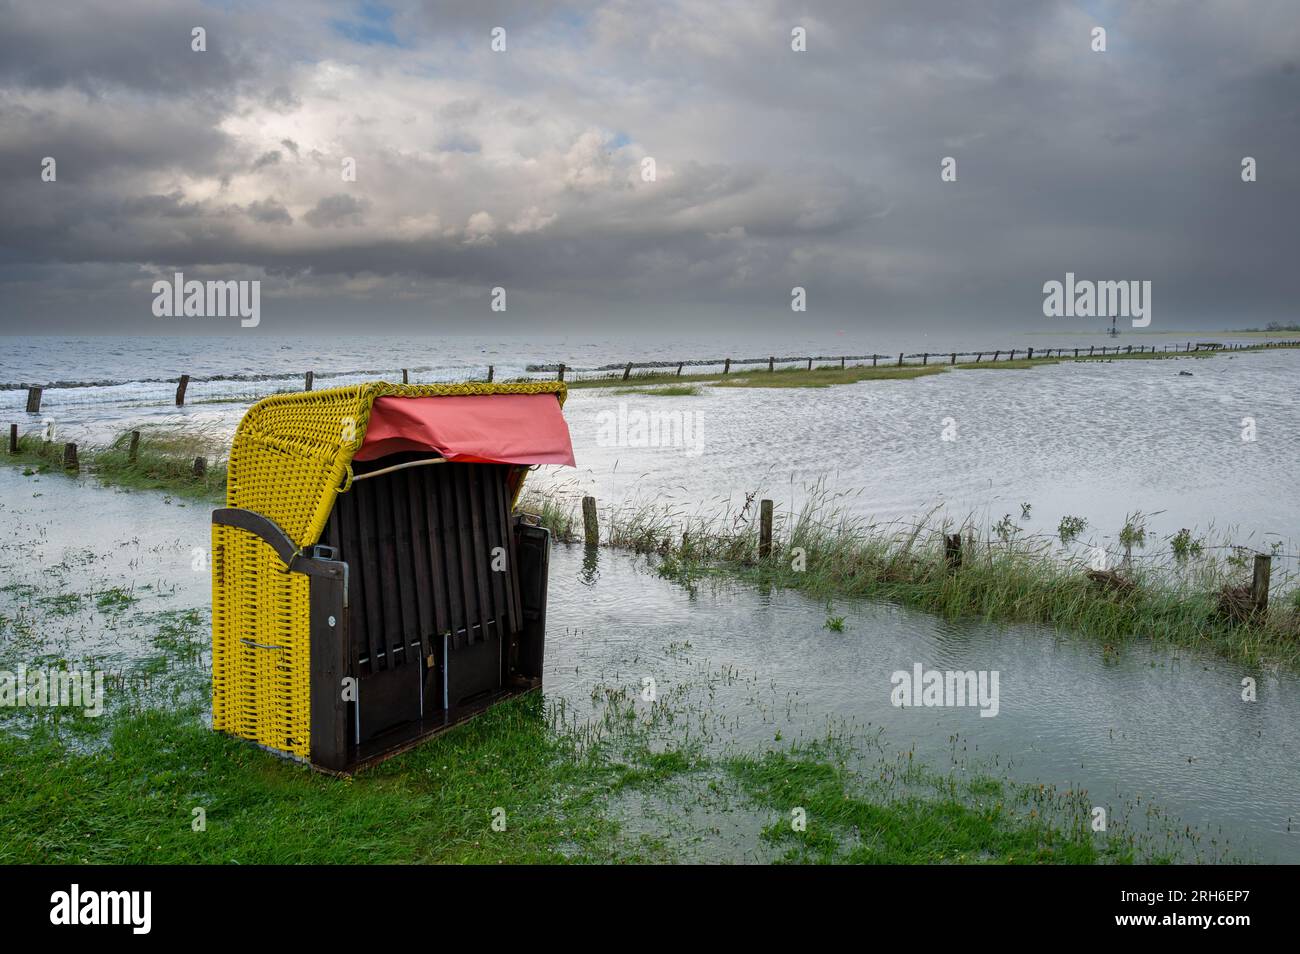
(524, 168)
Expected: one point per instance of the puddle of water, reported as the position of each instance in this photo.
(1144, 725)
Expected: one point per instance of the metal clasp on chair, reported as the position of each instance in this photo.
(249, 642)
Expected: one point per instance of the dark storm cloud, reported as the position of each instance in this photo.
(340, 209)
(270, 212)
(773, 168)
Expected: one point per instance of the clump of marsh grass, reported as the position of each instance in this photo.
(164, 459)
(1005, 573)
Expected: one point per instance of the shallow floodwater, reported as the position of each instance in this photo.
(1092, 440)
(1144, 725)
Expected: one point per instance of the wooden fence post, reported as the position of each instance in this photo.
(70, 457)
(726, 367)
(590, 527)
(1259, 585)
(873, 360)
(560, 375)
(900, 359)
(310, 379)
(181, 385)
(841, 364)
(952, 550)
(200, 467)
(406, 378)
(1013, 355)
(34, 399)
(491, 372)
(810, 364)
(13, 438)
(925, 358)
(771, 363)
(679, 368)
(995, 355)
(764, 529)
(954, 358)
(627, 372)
(134, 450)
(1031, 354)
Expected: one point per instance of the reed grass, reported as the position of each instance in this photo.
(164, 460)
(823, 550)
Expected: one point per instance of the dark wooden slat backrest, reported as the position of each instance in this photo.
(420, 545)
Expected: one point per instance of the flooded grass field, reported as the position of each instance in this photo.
(767, 701)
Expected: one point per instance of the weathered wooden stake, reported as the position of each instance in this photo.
(181, 385)
(200, 466)
(726, 367)
(952, 550)
(13, 438)
(679, 368)
(1259, 585)
(954, 358)
(1031, 354)
(560, 375)
(311, 378)
(1090, 347)
(771, 364)
(590, 527)
(925, 358)
(900, 359)
(627, 372)
(764, 529)
(406, 378)
(491, 372)
(841, 364)
(70, 457)
(1013, 355)
(134, 450)
(810, 364)
(995, 355)
(34, 399)
(873, 360)
(978, 355)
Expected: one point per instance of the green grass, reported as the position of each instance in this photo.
(124, 788)
(672, 390)
(134, 801)
(830, 555)
(828, 375)
(819, 377)
(972, 820)
(824, 377)
(1019, 364)
(164, 461)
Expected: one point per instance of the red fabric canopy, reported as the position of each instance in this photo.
(472, 428)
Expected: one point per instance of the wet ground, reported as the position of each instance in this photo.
(1135, 728)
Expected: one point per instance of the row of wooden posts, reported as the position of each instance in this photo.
(952, 356)
(71, 462)
(952, 548)
(35, 392)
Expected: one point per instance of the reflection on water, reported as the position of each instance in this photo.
(1144, 724)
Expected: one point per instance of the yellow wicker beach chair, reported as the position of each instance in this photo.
(370, 582)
